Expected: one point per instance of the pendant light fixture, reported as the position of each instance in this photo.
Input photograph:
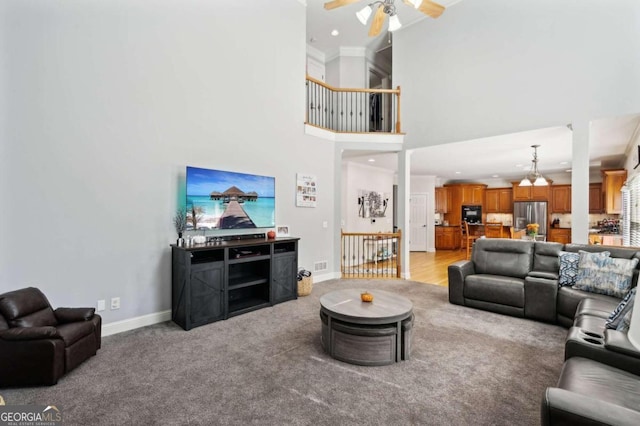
(534, 177)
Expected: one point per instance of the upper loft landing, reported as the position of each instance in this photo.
(353, 115)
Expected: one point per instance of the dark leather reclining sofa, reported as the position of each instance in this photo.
(600, 380)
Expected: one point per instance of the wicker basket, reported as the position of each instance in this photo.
(304, 286)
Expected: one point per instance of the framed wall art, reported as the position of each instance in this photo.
(306, 190)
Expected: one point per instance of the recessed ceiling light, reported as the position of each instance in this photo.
(495, 176)
(458, 173)
(568, 170)
(518, 165)
(372, 160)
(564, 162)
(335, 33)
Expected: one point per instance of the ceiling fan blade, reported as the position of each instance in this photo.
(337, 3)
(429, 8)
(376, 23)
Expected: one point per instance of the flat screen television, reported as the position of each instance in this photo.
(219, 199)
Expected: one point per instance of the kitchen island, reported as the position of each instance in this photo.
(605, 239)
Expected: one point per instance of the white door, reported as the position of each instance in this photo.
(315, 69)
(418, 222)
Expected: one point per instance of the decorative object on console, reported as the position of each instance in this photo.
(534, 177)
(599, 273)
(199, 239)
(271, 234)
(180, 223)
(282, 230)
(532, 229)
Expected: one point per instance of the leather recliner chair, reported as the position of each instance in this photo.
(38, 345)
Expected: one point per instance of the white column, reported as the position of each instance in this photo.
(580, 183)
(404, 189)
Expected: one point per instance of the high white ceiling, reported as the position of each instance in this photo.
(320, 23)
(508, 156)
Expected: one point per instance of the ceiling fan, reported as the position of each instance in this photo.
(387, 7)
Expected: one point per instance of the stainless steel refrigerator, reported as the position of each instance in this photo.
(525, 212)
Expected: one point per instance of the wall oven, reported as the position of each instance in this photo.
(472, 214)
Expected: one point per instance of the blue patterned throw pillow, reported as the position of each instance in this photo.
(625, 322)
(568, 268)
(604, 274)
(626, 305)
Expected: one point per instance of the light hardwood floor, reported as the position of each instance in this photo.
(432, 267)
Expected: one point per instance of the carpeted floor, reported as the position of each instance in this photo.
(267, 367)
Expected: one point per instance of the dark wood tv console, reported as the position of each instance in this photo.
(217, 280)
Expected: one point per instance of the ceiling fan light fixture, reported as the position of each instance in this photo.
(364, 14)
(394, 23)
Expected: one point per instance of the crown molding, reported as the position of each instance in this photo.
(316, 54)
(353, 51)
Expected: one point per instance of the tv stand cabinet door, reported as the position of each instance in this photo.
(207, 293)
(284, 284)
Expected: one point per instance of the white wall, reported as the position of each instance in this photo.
(109, 102)
(358, 177)
(494, 67)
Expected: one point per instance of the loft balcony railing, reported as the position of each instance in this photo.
(370, 255)
(352, 110)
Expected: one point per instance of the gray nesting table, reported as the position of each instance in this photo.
(357, 332)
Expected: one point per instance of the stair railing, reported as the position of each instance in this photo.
(370, 255)
(352, 110)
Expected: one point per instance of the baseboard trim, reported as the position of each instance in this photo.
(326, 277)
(133, 323)
(157, 317)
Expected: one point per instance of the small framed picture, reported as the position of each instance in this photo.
(282, 230)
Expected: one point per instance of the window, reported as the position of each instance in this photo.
(631, 212)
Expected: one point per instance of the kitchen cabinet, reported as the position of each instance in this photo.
(561, 199)
(559, 235)
(612, 181)
(460, 194)
(499, 200)
(531, 193)
(447, 237)
(442, 200)
(473, 194)
(595, 198)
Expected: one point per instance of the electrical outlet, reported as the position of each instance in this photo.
(325, 224)
(115, 303)
(101, 305)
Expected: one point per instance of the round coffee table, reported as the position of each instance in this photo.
(357, 332)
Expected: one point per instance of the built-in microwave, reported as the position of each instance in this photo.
(472, 214)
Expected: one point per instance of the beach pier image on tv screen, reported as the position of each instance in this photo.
(218, 199)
